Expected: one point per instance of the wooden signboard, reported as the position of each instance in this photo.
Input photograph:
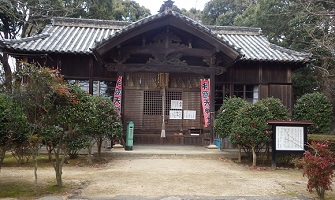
(289, 137)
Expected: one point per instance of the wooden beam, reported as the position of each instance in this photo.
(111, 43)
(225, 48)
(163, 68)
(151, 50)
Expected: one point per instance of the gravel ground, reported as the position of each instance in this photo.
(141, 178)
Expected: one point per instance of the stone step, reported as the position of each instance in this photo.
(167, 152)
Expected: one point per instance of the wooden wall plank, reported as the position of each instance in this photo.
(133, 107)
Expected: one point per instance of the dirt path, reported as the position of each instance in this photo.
(163, 177)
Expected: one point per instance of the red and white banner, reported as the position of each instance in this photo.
(118, 94)
(205, 100)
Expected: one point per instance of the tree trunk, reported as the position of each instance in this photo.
(254, 156)
(49, 149)
(2, 156)
(4, 56)
(57, 167)
(59, 162)
(8, 71)
(268, 155)
(35, 169)
(321, 192)
(89, 152)
(99, 144)
(239, 154)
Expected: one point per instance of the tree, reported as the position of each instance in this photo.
(226, 115)
(304, 81)
(104, 122)
(302, 25)
(192, 13)
(317, 108)
(223, 12)
(250, 128)
(115, 10)
(53, 109)
(318, 165)
(316, 22)
(270, 15)
(68, 114)
(129, 11)
(276, 107)
(24, 18)
(14, 127)
(32, 84)
(9, 26)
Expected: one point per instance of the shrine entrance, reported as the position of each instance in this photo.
(162, 60)
(153, 105)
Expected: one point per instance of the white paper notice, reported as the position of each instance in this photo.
(176, 114)
(190, 114)
(176, 104)
(289, 138)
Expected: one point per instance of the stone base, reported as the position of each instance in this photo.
(118, 147)
(212, 147)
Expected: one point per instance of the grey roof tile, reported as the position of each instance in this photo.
(80, 36)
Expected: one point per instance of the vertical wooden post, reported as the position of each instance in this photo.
(212, 102)
(163, 106)
(90, 72)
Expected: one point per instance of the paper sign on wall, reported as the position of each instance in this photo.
(190, 114)
(176, 114)
(176, 104)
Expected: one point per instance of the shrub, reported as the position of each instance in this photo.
(276, 107)
(317, 108)
(75, 143)
(227, 114)
(318, 163)
(250, 127)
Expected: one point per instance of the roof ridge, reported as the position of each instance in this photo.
(289, 51)
(27, 39)
(236, 30)
(88, 23)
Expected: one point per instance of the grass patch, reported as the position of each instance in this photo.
(42, 161)
(321, 137)
(26, 190)
(14, 188)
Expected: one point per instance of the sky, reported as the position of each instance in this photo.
(154, 5)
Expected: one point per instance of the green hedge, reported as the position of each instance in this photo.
(317, 108)
(322, 138)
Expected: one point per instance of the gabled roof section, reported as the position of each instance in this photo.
(161, 18)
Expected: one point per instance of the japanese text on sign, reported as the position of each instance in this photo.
(176, 114)
(290, 138)
(176, 104)
(205, 100)
(190, 114)
(118, 94)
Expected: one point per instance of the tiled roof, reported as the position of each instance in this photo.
(68, 35)
(255, 47)
(80, 36)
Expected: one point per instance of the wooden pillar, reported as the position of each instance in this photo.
(163, 106)
(90, 72)
(212, 103)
